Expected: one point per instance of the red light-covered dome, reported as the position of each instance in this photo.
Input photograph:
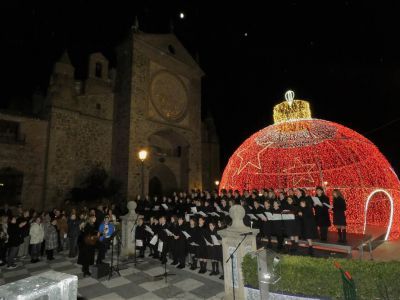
(298, 151)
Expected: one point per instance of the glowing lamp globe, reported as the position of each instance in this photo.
(299, 151)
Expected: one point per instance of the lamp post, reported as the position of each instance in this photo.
(216, 182)
(142, 156)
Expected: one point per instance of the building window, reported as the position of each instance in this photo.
(98, 106)
(98, 70)
(178, 151)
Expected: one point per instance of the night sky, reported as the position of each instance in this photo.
(342, 56)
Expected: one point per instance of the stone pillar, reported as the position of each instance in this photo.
(231, 237)
(128, 247)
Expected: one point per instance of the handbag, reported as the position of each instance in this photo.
(91, 240)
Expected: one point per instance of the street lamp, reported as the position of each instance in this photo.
(216, 182)
(142, 156)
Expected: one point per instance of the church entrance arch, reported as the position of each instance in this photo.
(162, 181)
(155, 186)
(169, 161)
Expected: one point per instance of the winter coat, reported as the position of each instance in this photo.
(86, 252)
(51, 237)
(62, 226)
(37, 233)
(73, 228)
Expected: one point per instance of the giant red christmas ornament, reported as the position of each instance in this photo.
(299, 151)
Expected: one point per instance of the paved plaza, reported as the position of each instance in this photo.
(134, 283)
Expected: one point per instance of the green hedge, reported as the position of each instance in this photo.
(319, 277)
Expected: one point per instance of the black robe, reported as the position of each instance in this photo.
(322, 213)
(141, 234)
(292, 227)
(277, 225)
(203, 234)
(215, 251)
(266, 226)
(194, 238)
(308, 225)
(339, 208)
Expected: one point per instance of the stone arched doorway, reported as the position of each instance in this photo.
(155, 186)
(162, 180)
(169, 161)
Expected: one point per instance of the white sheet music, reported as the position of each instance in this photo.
(215, 240)
(201, 213)
(194, 244)
(187, 217)
(139, 243)
(187, 235)
(262, 217)
(160, 246)
(214, 214)
(316, 201)
(276, 217)
(148, 229)
(156, 207)
(207, 242)
(218, 208)
(154, 240)
(225, 213)
(193, 209)
(169, 233)
(268, 215)
(165, 206)
(253, 217)
(327, 205)
(288, 217)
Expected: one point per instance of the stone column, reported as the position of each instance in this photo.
(128, 247)
(231, 237)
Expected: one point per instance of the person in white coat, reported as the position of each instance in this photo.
(36, 234)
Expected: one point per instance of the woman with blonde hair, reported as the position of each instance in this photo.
(339, 216)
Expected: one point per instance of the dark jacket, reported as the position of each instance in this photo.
(15, 237)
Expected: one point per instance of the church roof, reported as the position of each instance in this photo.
(169, 44)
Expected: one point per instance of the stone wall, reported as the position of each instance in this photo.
(27, 156)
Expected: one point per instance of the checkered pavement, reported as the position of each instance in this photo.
(135, 282)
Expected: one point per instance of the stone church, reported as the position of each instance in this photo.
(151, 101)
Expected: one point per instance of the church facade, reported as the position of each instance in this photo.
(152, 101)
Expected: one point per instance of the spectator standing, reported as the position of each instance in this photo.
(62, 226)
(3, 240)
(24, 247)
(73, 234)
(51, 238)
(36, 233)
(14, 240)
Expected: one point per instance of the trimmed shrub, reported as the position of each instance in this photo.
(319, 277)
